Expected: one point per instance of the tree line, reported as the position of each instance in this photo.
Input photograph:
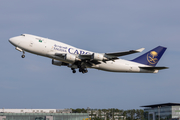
(133, 114)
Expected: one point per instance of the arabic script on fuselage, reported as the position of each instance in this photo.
(70, 50)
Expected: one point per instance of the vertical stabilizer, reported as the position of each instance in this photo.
(152, 57)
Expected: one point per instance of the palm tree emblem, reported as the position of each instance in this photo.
(151, 57)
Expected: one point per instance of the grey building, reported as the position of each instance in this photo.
(165, 111)
(103, 115)
(44, 116)
(41, 114)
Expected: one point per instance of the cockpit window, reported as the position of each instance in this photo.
(22, 34)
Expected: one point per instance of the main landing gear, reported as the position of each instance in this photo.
(23, 56)
(73, 70)
(83, 70)
(80, 70)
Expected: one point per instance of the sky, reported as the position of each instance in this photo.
(98, 26)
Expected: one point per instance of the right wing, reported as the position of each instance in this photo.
(111, 56)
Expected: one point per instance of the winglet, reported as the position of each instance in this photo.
(140, 50)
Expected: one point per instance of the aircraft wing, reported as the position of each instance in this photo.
(112, 56)
(105, 56)
(118, 54)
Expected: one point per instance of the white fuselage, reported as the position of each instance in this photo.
(48, 48)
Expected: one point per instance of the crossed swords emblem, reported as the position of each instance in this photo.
(151, 57)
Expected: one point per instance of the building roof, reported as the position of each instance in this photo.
(163, 104)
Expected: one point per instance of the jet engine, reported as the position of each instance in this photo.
(70, 58)
(98, 57)
(59, 63)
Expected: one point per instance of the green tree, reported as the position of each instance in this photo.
(140, 114)
(124, 114)
(130, 114)
(79, 110)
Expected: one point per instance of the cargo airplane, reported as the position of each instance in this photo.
(75, 58)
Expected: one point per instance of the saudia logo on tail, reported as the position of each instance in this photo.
(151, 57)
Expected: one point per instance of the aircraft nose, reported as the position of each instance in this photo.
(13, 41)
(10, 40)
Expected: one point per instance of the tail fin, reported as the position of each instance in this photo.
(152, 57)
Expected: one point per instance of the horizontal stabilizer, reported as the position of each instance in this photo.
(154, 68)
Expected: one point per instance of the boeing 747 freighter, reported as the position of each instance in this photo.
(75, 58)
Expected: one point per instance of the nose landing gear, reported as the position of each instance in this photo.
(23, 56)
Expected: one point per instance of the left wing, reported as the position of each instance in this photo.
(118, 54)
(110, 56)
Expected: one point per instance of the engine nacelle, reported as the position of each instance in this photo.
(59, 63)
(70, 58)
(97, 56)
(56, 62)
